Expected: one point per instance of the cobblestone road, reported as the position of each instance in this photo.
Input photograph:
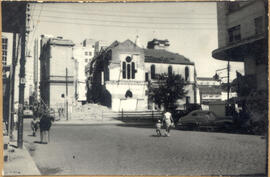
(120, 150)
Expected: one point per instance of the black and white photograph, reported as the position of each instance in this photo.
(135, 88)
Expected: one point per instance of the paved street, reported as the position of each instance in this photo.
(126, 150)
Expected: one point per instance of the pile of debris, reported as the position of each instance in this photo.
(91, 111)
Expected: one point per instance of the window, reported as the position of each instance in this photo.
(133, 70)
(4, 60)
(187, 100)
(124, 70)
(90, 53)
(86, 60)
(129, 69)
(233, 6)
(4, 51)
(258, 25)
(86, 53)
(169, 70)
(128, 94)
(186, 73)
(234, 34)
(153, 72)
(146, 77)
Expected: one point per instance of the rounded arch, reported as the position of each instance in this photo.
(153, 71)
(170, 70)
(128, 94)
(186, 73)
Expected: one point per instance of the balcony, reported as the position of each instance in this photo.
(237, 51)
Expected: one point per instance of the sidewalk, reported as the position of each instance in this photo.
(19, 161)
(98, 122)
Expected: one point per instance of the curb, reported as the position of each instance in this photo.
(33, 165)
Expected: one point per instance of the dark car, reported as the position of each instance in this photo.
(205, 119)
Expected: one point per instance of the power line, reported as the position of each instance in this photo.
(110, 25)
(35, 27)
(117, 21)
(129, 16)
(145, 12)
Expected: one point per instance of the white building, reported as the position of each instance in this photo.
(119, 75)
(82, 54)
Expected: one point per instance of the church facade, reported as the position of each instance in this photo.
(120, 74)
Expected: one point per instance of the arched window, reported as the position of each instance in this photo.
(133, 70)
(124, 70)
(153, 71)
(186, 73)
(169, 70)
(128, 68)
(128, 94)
(128, 71)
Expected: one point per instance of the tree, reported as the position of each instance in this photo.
(165, 90)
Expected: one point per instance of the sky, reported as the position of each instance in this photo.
(190, 27)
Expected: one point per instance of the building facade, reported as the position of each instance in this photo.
(82, 54)
(57, 70)
(210, 89)
(242, 36)
(120, 75)
(158, 61)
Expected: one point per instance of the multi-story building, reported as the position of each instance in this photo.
(119, 75)
(210, 90)
(100, 46)
(242, 36)
(159, 60)
(57, 71)
(82, 54)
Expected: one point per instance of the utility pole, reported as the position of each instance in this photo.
(35, 68)
(228, 82)
(10, 103)
(66, 93)
(21, 81)
(12, 81)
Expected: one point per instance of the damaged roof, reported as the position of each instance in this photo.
(164, 56)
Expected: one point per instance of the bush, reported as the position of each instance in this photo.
(257, 109)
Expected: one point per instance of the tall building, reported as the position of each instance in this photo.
(82, 54)
(242, 37)
(57, 70)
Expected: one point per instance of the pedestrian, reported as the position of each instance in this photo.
(34, 125)
(158, 127)
(45, 125)
(167, 118)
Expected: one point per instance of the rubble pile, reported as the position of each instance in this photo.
(90, 111)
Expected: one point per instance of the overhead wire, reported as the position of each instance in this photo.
(119, 21)
(35, 27)
(127, 15)
(121, 26)
(142, 12)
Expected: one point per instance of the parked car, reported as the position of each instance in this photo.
(27, 113)
(183, 111)
(205, 119)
